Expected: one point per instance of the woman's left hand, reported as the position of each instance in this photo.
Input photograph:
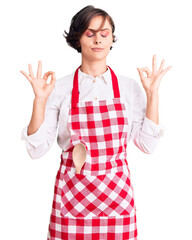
(152, 81)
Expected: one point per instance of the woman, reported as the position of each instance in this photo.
(96, 112)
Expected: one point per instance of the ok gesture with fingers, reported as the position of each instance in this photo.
(40, 87)
(152, 81)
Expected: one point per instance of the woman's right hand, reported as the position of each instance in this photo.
(41, 89)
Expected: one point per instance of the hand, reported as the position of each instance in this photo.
(40, 87)
(152, 81)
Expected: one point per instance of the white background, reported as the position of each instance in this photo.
(32, 31)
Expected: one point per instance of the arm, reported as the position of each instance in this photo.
(146, 129)
(151, 86)
(40, 141)
(145, 133)
(37, 117)
(152, 111)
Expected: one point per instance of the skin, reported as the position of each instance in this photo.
(41, 90)
(151, 84)
(94, 63)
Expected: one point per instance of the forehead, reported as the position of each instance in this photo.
(97, 22)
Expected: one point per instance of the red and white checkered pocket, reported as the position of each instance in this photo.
(88, 196)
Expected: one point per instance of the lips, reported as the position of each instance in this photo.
(97, 49)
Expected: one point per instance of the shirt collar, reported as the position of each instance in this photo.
(106, 76)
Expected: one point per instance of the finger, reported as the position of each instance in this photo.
(147, 70)
(165, 70)
(46, 75)
(162, 65)
(31, 74)
(141, 73)
(154, 64)
(39, 70)
(53, 79)
(26, 75)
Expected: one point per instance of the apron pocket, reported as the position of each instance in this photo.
(87, 196)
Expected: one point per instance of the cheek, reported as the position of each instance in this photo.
(109, 42)
(109, 39)
(84, 42)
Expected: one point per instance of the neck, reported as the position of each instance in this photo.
(93, 68)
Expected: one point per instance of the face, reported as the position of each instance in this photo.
(96, 45)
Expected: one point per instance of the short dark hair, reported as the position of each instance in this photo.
(80, 22)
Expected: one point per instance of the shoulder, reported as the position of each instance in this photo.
(125, 81)
(64, 83)
(63, 86)
(128, 86)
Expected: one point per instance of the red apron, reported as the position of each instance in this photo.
(98, 203)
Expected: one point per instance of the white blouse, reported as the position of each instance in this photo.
(144, 132)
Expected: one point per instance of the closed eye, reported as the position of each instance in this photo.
(90, 34)
(93, 35)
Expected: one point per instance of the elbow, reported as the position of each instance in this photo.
(38, 152)
(145, 149)
(39, 146)
(34, 154)
(148, 151)
(147, 145)
(146, 141)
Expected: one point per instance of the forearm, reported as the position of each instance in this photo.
(37, 115)
(152, 110)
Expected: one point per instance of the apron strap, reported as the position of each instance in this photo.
(75, 91)
(115, 84)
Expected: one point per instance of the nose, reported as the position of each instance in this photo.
(97, 39)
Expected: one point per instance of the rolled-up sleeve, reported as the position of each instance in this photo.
(144, 133)
(39, 143)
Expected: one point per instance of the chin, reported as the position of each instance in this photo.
(95, 56)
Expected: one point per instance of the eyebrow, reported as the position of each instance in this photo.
(100, 30)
